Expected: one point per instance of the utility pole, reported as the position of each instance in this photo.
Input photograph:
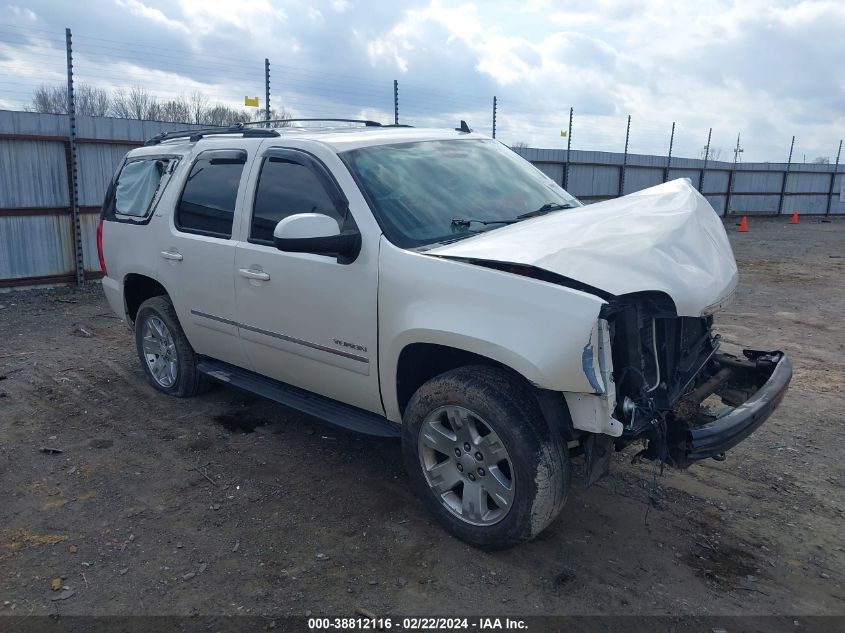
(739, 151)
(706, 156)
(624, 160)
(568, 147)
(494, 116)
(732, 175)
(669, 159)
(267, 90)
(833, 179)
(72, 176)
(395, 102)
(785, 174)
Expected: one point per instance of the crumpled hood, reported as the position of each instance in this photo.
(666, 238)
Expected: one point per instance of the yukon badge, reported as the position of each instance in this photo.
(359, 348)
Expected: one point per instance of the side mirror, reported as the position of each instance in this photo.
(318, 234)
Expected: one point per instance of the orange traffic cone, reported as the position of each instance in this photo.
(794, 218)
(743, 225)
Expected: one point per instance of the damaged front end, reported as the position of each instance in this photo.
(674, 388)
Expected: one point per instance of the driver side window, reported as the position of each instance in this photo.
(286, 188)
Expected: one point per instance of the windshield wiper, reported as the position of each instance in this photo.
(467, 221)
(549, 206)
(546, 208)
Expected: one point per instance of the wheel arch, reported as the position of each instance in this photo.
(137, 288)
(419, 362)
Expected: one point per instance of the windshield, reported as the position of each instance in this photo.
(422, 192)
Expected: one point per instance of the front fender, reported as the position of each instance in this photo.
(536, 328)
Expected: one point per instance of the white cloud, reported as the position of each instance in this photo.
(22, 12)
(156, 16)
(767, 68)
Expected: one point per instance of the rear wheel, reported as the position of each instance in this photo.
(167, 357)
(482, 457)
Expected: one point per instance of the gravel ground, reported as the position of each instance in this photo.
(227, 504)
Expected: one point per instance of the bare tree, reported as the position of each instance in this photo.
(120, 104)
(223, 115)
(48, 100)
(519, 145)
(821, 160)
(199, 106)
(143, 105)
(280, 116)
(88, 100)
(175, 111)
(91, 101)
(139, 103)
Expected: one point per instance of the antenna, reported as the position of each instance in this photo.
(738, 151)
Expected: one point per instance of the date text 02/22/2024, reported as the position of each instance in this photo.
(415, 623)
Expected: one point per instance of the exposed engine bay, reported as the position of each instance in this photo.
(676, 391)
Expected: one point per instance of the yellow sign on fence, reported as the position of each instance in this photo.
(251, 102)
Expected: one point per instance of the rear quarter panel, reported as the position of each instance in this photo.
(129, 247)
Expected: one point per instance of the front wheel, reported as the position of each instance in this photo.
(481, 456)
(167, 357)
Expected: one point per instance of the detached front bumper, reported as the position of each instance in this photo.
(770, 372)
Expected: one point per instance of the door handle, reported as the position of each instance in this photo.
(176, 257)
(249, 273)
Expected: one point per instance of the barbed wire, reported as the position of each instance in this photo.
(34, 57)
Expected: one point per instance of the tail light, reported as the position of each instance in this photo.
(100, 248)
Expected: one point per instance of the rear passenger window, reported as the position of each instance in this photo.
(137, 187)
(207, 206)
(286, 188)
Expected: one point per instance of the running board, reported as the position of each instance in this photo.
(326, 409)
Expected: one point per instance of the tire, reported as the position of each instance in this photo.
(520, 483)
(177, 373)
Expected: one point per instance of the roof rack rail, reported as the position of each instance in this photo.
(242, 128)
(195, 135)
(366, 122)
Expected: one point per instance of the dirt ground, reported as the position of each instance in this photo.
(227, 504)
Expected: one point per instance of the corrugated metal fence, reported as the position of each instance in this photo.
(741, 189)
(36, 231)
(37, 237)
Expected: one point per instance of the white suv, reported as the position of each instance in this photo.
(433, 284)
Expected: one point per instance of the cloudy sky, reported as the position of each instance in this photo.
(767, 69)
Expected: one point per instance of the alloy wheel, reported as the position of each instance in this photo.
(160, 352)
(466, 465)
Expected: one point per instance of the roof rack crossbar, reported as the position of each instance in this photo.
(242, 128)
(195, 135)
(366, 122)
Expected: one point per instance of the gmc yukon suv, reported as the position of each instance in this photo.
(433, 285)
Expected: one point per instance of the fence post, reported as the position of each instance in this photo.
(785, 176)
(624, 160)
(568, 147)
(395, 102)
(494, 116)
(267, 90)
(706, 156)
(72, 179)
(732, 177)
(833, 179)
(669, 159)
